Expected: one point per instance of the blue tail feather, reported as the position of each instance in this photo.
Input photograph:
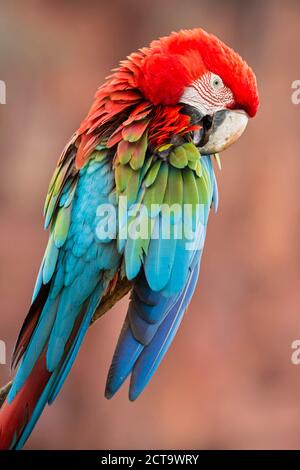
(143, 344)
(153, 354)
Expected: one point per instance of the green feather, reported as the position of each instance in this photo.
(124, 152)
(152, 173)
(50, 209)
(198, 169)
(178, 157)
(133, 186)
(100, 155)
(191, 151)
(139, 152)
(203, 189)
(174, 192)
(146, 166)
(53, 179)
(55, 187)
(156, 192)
(61, 226)
(190, 190)
(192, 164)
(122, 177)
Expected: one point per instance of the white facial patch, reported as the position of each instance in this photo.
(208, 94)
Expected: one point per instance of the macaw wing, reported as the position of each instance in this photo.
(164, 260)
(76, 271)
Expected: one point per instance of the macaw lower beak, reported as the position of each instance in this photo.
(221, 130)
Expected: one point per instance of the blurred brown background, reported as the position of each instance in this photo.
(227, 381)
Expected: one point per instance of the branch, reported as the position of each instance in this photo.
(108, 301)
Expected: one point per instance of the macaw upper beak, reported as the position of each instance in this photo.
(221, 130)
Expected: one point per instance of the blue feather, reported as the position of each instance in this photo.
(38, 283)
(63, 373)
(35, 347)
(160, 257)
(127, 351)
(50, 260)
(152, 354)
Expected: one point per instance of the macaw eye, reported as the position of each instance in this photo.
(216, 82)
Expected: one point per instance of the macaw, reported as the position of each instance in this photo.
(150, 137)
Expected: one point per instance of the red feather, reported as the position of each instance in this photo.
(14, 416)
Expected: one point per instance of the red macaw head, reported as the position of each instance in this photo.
(215, 85)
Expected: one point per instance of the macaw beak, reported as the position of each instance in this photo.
(221, 130)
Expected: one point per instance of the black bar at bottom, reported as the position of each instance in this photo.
(136, 458)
